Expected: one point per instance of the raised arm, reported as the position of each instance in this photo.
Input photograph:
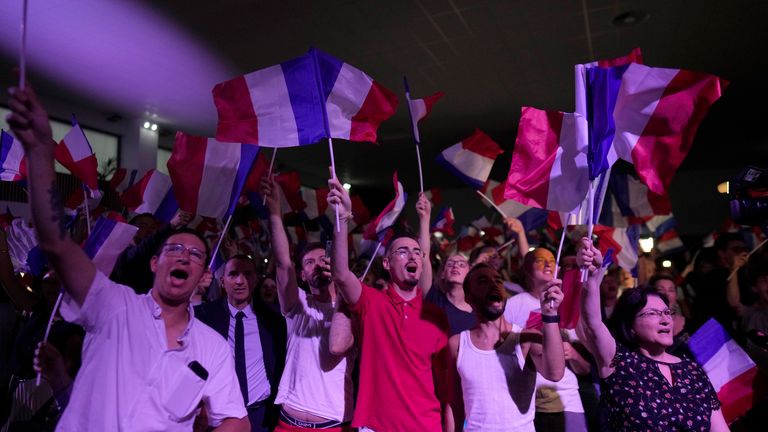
(549, 356)
(340, 337)
(597, 338)
(285, 274)
(424, 210)
(516, 228)
(29, 123)
(346, 282)
(733, 294)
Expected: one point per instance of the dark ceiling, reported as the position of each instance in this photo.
(489, 57)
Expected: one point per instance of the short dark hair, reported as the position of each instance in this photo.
(135, 218)
(723, 240)
(309, 247)
(183, 230)
(629, 304)
(660, 276)
(398, 235)
(241, 257)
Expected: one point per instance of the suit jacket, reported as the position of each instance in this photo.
(272, 334)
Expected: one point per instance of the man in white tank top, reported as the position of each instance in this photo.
(493, 370)
(316, 387)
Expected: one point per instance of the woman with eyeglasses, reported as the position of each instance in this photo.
(643, 387)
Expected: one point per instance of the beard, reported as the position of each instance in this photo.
(490, 313)
(409, 284)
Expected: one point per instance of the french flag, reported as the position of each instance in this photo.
(623, 242)
(530, 217)
(444, 222)
(730, 370)
(471, 159)
(569, 309)
(630, 201)
(664, 229)
(375, 230)
(76, 154)
(420, 109)
(153, 194)
(434, 195)
(549, 162)
(122, 179)
(300, 102)
(13, 164)
(108, 239)
(208, 175)
(651, 115)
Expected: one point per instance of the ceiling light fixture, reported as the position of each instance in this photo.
(146, 125)
(153, 127)
(630, 18)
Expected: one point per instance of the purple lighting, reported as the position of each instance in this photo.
(121, 54)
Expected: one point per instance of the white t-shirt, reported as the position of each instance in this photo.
(516, 312)
(129, 379)
(314, 380)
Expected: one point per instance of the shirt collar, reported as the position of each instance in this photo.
(397, 300)
(248, 311)
(157, 311)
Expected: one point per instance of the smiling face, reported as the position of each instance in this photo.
(239, 281)
(540, 265)
(404, 263)
(649, 328)
(484, 291)
(177, 274)
(455, 270)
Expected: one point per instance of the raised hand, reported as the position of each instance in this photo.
(28, 120)
(423, 207)
(270, 190)
(589, 256)
(339, 196)
(552, 297)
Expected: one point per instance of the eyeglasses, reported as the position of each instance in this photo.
(404, 253)
(456, 263)
(177, 249)
(655, 313)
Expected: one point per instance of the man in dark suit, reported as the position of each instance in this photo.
(256, 335)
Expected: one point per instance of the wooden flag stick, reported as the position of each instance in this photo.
(219, 242)
(50, 323)
(23, 54)
(373, 257)
(490, 201)
(269, 172)
(333, 171)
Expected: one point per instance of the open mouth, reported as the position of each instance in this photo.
(411, 267)
(494, 297)
(179, 274)
(665, 331)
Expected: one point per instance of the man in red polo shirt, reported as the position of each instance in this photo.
(401, 336)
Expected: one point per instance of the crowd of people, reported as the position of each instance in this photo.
(424, 341)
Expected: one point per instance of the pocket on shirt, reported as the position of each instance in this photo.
(182, 393)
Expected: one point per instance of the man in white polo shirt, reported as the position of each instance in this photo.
(147, 362)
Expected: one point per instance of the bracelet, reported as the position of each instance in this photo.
(550, 319)
(347, 216)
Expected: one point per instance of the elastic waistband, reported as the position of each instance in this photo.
(284, 416)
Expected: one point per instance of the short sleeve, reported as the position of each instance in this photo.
(360, 308)
(223, 399)
(105, 298)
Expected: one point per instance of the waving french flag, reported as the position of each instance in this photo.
(443, 222)
(208, 175)
(122, 179)
(623, 242)
(108, 239)
(471, 159)
(730, 370)
(153, 193)
(13, 163)
(629, 201)
(76, 154)
(651, 115)
(530, 217)
(300, 102)
(549, 163)
(420, 109)
(375, 230)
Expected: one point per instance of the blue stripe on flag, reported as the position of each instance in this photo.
(665, 226)
(248, 153)
(167, 208)
(99, 233)
(708, 340)
(474, 183)
(300, 80)
(619, 187)
(6, 141)
(602, 90)
(533, 218)
(329, 67)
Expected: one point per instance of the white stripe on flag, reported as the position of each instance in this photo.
(77, 144)
(640, 91)
(345, 100)
(569, 178)
(157, 188)
(119, 239)
(471, 164)
(219, 170)
(272, 105)
(728, 362)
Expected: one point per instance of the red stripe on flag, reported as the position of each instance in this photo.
(237, 118)
(479, 142)
(379, 105)
(736, 396)
(633, 57)
(185, 167)
(534, 155)
(667, 138)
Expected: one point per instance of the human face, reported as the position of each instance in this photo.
(268, 290)
(668, 288)
(239, 281)
(542, 266)
(455, 269)
(653, 329)
(176, 275)
(735, 247)
(316, 269)
(761, 289)
(609, 287)
(146, 225)
(486, 293)
(404, 263)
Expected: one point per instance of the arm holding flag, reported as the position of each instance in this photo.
(517, 229)
(424, 210)
(30, 125)
(597, 338)
(287, 286)
(346, 281)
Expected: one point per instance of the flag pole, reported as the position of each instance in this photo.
(269, 172)
(501, 212)
(590, 223)
(756, 248)
(219, 242)
(333, 171)
(373, 257)
(23, 61)
(87, 210)
(414, 132)
(559, 253)
(50, 323)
